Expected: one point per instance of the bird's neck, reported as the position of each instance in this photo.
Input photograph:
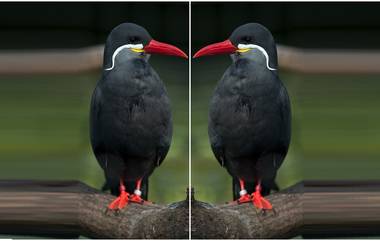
(258, 57)
(121, 58)
(246, 76)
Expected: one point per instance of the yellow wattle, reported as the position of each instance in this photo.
(243, 50)
(137, 50)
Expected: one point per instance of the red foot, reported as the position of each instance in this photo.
(120, 201)
(244, 199)
(257, 200)
(137, 199)
(123, 200)
(260, 202)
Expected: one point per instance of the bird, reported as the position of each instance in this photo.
(130, 114)
(249, 124)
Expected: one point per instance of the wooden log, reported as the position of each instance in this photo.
(341, 209)
(311, 209)
(71, 208)
(231, 221)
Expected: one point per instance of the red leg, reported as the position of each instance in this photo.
(244, 196)
(125, 198)
(121, 201)
(136, 196)
(258, 200)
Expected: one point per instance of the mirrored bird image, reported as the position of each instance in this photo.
(249, 114)
(130, 115)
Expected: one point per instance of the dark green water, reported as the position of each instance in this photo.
(335, 135)
(44, 129)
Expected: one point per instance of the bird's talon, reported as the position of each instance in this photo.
(244, 199)
(136, 199)
(257, 200)
(120, 202)
(260, 202)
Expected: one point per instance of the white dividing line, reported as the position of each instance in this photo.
(190, 57)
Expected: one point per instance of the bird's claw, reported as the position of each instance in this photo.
(120, 202)
(258, 201)
(244, 199)
(124, 199)
(136, 199)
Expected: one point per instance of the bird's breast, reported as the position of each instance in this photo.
(243, 121)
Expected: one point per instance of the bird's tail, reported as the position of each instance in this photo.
(130, 186)
(266, 187)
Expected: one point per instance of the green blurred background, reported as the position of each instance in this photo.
(44, 118)
(336, 117)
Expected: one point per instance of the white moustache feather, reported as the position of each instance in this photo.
(258, 47)
(117, 51)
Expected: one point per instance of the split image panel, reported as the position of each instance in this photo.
(112, 128)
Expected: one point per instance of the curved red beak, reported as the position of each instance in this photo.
(225, 47)
(156, 47)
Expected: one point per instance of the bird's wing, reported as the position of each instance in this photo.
(215, 139)
(285, 114)
(218, 152)
(165, 140)
(161, 153)
(95, 137)
(164, 122)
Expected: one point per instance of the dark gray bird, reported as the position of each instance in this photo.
(130, 116)
(249, 116)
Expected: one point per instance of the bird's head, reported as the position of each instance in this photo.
(251, 39)
(136, 41)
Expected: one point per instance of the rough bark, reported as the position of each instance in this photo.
(70, 208)
(313, 209)
(231, 221)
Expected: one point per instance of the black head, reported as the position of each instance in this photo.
(255, 34)
(137, 39)
(244, 39)
(126, 33)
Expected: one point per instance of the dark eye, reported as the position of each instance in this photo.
(133, 39)
(247, 39)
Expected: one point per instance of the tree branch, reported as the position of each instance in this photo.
(311, 208)
(70, 208)
(231, 221)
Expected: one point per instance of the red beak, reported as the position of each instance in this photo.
(156, 47)
(225, 47)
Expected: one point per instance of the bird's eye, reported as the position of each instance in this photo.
(247, 38)
(133, 39)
